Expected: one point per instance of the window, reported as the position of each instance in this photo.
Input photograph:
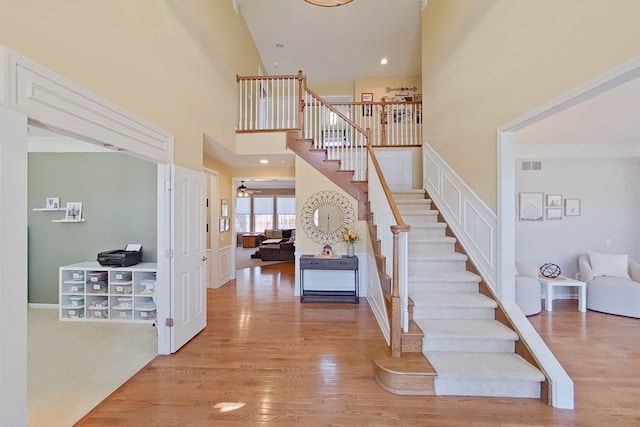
(243, 214)
(286, 212)
(262, 213)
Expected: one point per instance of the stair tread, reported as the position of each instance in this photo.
(426, 212)
(465, 328)
(413, 202)
(447, 300)
(411, 191)
(439, 239)
(447, 276)
(483, 366)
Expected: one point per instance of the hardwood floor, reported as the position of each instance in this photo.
(311, 364)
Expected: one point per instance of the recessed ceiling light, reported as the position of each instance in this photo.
(282, 161)
(384, 61)
(264, 161)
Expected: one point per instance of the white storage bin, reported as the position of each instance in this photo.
(72, 313)
(120, 289)
(121, 276)
(77, 301)
(97, 287)
(98, 312)
(146, 311)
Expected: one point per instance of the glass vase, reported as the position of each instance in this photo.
(350, 250)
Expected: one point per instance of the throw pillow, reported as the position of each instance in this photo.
(277, 234)
(609, 265)
(269, 234)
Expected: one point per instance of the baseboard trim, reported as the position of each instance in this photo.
(45, 306)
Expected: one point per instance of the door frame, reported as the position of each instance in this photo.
(58, 104)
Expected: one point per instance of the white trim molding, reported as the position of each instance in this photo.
(49, 99)
(474, 224)
(224, 266)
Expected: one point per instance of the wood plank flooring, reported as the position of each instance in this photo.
(311, 364)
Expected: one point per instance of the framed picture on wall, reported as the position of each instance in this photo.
(226, 223)
(221, 225)
(571, 207)
(74, 211)
(554, 213)
(367, 109)
(224, 207)
(530, 206)
(554, 200)
(53, 203)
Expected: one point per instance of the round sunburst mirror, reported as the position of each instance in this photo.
(326, 215)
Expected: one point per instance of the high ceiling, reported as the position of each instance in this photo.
(335, 45)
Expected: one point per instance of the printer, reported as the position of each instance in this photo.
(130, 255)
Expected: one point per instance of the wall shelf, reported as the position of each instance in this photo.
(49, 209)
(68, 220)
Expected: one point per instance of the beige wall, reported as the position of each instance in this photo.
(486, 62)
(308, 182)
(171, 62)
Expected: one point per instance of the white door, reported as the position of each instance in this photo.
(188, 287)
(13, 268)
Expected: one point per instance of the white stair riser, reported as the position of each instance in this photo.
(431, 248)
(416, 209)
(495, 388)
(419, 219)
(486, 345)
(442, 287)
(426, 233)
(427, 312)
(425, 265)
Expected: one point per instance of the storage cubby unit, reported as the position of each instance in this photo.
(91, 292)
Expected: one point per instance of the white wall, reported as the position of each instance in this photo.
(609, 191)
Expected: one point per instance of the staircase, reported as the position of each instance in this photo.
(471, 352)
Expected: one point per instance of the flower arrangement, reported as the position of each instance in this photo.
(350, 236)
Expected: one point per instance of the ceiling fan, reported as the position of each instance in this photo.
(243, 191)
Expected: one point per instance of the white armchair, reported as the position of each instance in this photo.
(528, 295)
(613, 283)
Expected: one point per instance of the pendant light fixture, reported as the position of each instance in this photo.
(328, 3)
(242, 190)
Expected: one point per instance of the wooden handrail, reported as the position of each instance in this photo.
(334, 110)
(238, 78)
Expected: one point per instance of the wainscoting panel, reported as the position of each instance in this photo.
(376, 299)
(451, 197)
(224, 265)
(474, 224)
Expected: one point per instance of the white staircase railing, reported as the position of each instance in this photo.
(393, 234)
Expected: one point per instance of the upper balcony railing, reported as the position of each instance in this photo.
(269, 103)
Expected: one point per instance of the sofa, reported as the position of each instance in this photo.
(280, 246)
(613, 283)
(528, 294)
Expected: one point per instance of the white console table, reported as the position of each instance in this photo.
(561, 281)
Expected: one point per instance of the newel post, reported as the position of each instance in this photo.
(396, 314)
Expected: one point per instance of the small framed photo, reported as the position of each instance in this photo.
(571, 207)
(53, 203)
(367, 109)
(554, 200)
(226, 223)
(224, 207)
(554, 213)
(530, 206)
(74, 211)
(221, 225)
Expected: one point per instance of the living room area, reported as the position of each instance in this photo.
(265, 220)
